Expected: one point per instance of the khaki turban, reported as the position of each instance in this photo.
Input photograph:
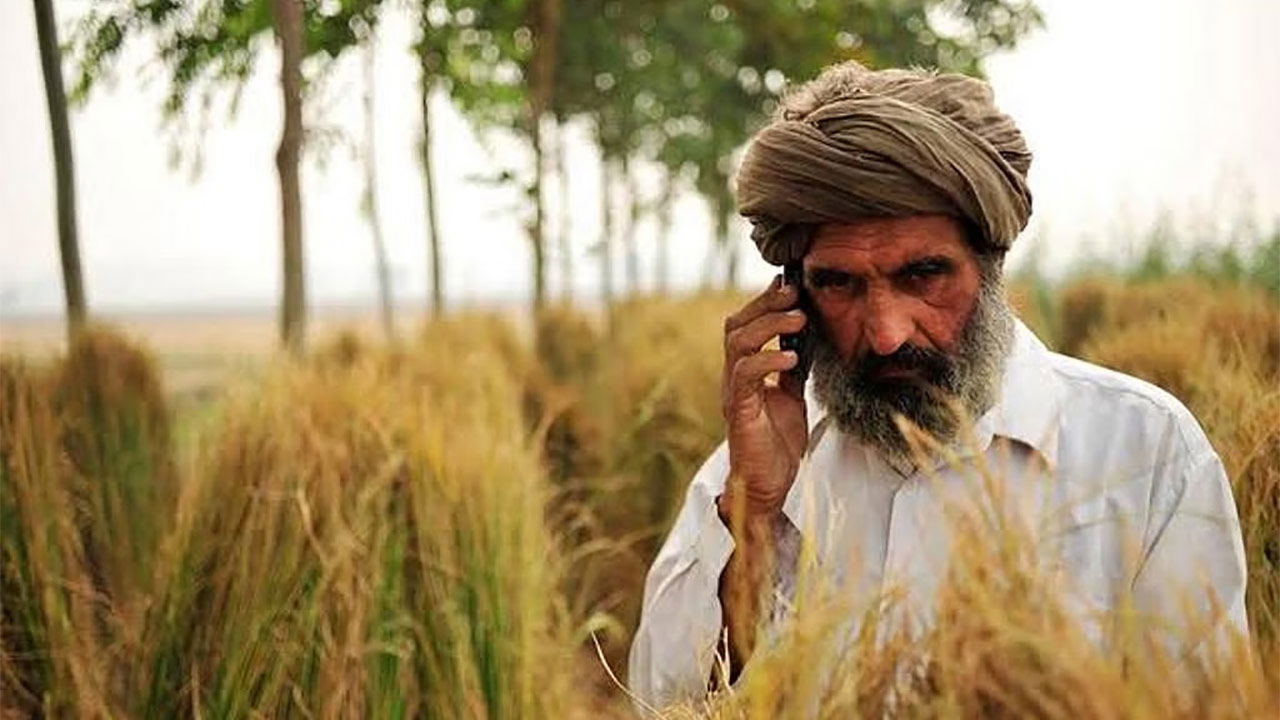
(856, 143)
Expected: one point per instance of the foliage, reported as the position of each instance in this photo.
(684, 84)
(617, 58)
(205, 47)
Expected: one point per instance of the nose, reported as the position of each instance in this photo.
(888, 324)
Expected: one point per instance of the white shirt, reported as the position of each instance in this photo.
(1133, 503)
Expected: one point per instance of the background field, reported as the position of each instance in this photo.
(437, 528)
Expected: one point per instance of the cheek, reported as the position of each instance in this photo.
(941, 327)
(842, 323)
(943, 316)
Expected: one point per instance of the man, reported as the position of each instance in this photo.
(900, 192)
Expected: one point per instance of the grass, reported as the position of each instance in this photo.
(362, 534)
(435, 529)
(1005, 644)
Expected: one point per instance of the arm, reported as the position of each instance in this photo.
(1195, 560)
(762, 562)
(682, 617)
(674, 650)
(695, 591)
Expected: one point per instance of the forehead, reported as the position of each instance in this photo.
(886, 241)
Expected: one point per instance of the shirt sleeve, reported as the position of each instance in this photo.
(675, 646)
(1195, 566)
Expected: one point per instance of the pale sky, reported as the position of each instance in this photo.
(1130, 107)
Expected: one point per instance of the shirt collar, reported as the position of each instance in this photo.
(1029, 402)
(1026, 409)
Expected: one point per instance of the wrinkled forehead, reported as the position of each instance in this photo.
(887, 240)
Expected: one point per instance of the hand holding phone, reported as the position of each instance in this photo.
(767, 432)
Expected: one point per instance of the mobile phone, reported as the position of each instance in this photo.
(800, 342)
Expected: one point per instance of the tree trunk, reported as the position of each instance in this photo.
(633, 221)
(666, 203)
(730, 247)
(710, 264)
(287, 16)
(426, 84)
(565, 212)
(537, 229)
(370, 201)
(546, 47)
(64, 167)
(606, 231)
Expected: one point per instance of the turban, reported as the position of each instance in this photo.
(859, 143)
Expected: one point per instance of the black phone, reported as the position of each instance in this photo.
(801, 342)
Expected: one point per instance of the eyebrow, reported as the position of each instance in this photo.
(929, 265)
(932, 265)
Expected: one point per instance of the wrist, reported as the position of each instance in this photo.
(740, 514)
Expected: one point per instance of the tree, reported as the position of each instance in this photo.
(64, 167)
(542, 79)
(664, 209)
(369, 201)
(595, 81)
(749, 48)
(504, 62)
(287, 19)
(604, 247)
(209, 46)
(564, 211)
(435, 23)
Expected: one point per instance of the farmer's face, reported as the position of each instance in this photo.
(883, 284)
(911, 326)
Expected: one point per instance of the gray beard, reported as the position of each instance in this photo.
(968, 380)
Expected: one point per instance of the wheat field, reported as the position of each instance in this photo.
(449, 527)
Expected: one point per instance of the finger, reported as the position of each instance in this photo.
(774, 298)
(749, 373)
(754, 307)
(751, 337)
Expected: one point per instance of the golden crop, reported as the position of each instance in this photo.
(440, 529)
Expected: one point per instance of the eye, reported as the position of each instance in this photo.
(920, 274)
(827, 281)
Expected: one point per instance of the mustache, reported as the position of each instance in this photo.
(930, 365)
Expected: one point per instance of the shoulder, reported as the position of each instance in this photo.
(1111, 407)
